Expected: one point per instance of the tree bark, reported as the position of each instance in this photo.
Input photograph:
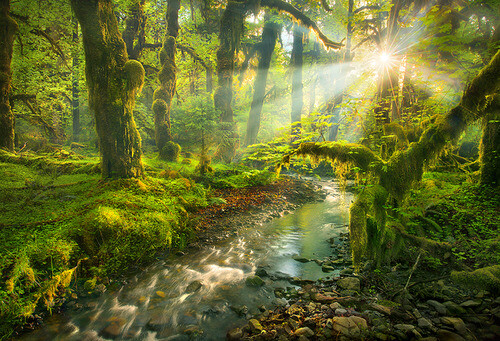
(113, 82)
(8, 29)
(297, 87)
(231, 27)
(134, 29)
(269, 36)
(75, 91)
(162, 97)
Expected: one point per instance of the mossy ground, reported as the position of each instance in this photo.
(56, 217)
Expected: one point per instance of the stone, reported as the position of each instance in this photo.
(350, 283)
(114, 328)
(304, 331)
(457, 323)
(255, 326)
(254, 281)
(192, 330)
(348, 326)
(454, 308)
(340, 311)
(294, 324)
(261, 272)
(408, 330)
(471, 304)
(445, 335)
(424, 323)
(157, 322)
(194, 286)
(239, 310)
(439, 307)
(300, 259)
(335, 305)
(327, 268)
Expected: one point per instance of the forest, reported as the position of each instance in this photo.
(249, 170)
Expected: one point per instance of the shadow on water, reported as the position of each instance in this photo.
(202, 295)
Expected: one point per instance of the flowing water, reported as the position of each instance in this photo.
(203, 294)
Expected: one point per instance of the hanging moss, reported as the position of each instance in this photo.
(485, 278)
(113, 83)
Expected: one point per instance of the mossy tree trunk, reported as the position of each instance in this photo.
(134, 32)
(231, 27)
(490, 145)
(75, 90)
(8, 29)
(162, 97)
(403, 169)
(297, 86)
(113, 82)
(266, 48)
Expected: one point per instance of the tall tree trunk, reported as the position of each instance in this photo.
(334, 109)
(231, 27)
(162, 97)
(8, 29)
(297, 87)
(387, 108)
(75, 91)
(269, 36)
(134, 29)
(113, 83)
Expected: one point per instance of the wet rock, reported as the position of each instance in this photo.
(157, 323)
(300, 259)
(254, 281)
(327, 268)
(439, 307)
(454, 308)
(255, 326)
(408, 330)
(304, 331)
(445, 335)
(193, 330)
(234, 334)
(194, 286)
(340, 311)
(471, 304)
(335, 305)
(261, 272)
(457, 324)
(239, 310)
(349, 326)
(114, 328)
(350, 283)
(424, 323)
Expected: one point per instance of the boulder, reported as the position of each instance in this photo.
(350, 283)
(254, 281)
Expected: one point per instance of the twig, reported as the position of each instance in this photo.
(412, 271)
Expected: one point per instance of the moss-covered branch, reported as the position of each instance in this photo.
(304, 19)
(353, 154)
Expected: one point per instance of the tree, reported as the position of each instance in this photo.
(113, 82)
(8, 28)
(162, 98)
(297, 87)
(231, 28)
(266, 48)
(402, 170)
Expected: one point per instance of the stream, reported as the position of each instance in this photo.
(203, 294)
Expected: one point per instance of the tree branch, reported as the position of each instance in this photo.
(305, 20)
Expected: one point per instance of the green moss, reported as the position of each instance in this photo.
(487, 278)
(170, 152)
(134, 76)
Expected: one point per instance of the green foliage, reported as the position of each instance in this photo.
(238, 177)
